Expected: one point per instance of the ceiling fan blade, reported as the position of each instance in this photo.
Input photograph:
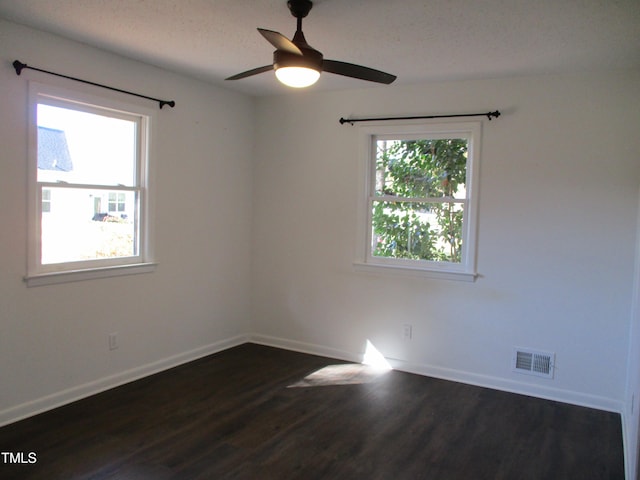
(280, 41)
(357, 71)
(249, 73)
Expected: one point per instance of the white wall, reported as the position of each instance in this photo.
(54, 339)
(558, 185)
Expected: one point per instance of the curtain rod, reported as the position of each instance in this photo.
(489, 115)
(19, 66)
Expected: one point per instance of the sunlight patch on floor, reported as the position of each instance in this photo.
(373, 366)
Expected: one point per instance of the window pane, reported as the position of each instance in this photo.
(421, 168)
(76, 229)
(46, 200)
(417, 231)
(86, 148)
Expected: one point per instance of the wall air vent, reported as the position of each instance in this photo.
(533, 362)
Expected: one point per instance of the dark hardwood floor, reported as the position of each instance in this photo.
(250, 413)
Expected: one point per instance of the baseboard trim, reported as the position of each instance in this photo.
(511, 386)
(486, 381)
(79, 392)
(630, 455)
(303, 347)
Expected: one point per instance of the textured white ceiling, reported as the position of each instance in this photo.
(417, 40)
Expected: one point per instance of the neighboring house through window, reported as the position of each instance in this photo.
(89, 194)
(53, 154)
(419, 201)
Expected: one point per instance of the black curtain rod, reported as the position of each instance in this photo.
(19, 66)
(489, 115)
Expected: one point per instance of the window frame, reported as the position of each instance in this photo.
(365, 260)
(77, 99)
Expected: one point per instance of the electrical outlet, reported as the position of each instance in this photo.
(407, 331)
(113, 341)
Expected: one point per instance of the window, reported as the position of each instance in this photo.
(88, 187)
(46, 200)
(419, 202)
(117, 203)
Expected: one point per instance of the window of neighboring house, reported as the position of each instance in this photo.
(46, 200)
(89, 173)
(117, 203)
(419, 205)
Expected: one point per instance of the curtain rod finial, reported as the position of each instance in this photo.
(18, 65)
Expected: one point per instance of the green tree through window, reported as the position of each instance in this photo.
(419, 201)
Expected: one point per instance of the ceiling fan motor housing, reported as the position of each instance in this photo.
(310, 59)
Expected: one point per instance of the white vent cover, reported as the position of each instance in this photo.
(533, 362)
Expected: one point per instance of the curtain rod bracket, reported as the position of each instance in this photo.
(19, 66)
(489, 115)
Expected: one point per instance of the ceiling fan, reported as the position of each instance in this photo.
(297, 64)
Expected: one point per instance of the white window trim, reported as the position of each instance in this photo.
(38, 274)
(365, 261)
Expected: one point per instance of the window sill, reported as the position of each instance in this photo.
(414, 272)
(88, 274)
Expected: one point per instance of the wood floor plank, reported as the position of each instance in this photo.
(254, 412)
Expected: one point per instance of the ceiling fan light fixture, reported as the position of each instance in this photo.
(297, 77)
(298, 71)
